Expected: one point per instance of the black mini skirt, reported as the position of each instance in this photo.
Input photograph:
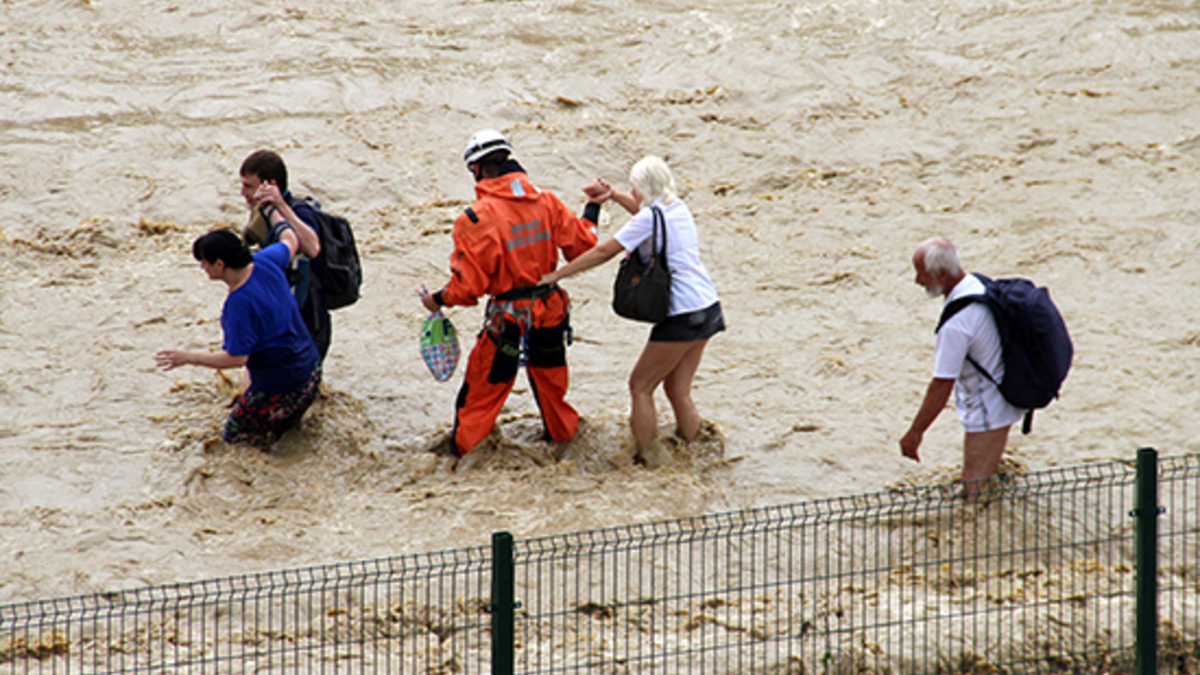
(689, 326)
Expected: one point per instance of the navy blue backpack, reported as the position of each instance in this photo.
(1036, 347)
(337, 269)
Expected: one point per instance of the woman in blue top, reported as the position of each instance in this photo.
(263, 331)
(672, 355)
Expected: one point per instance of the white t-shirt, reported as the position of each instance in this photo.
(978, 402)
(692, 288)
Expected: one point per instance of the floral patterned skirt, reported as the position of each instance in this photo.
(259, 418)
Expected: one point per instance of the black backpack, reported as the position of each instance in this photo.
(337, 270)
(1035, 345)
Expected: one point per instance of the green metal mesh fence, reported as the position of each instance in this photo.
(1038, 576)
(417, 614)
(1179, 566)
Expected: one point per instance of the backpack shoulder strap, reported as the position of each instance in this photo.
(955, 307)
(311, 204)
(982, 371)
(960, 303)
(308, 202)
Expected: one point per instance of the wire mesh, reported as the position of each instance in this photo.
(1037, 576)
(1179, 565)
(413, 614)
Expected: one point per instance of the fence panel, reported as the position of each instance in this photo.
(1179, 565)
(421, 614)
(1036, 577)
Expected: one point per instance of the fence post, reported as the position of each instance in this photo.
(1146, 543)
(503, 604)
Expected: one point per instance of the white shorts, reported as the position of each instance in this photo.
(984, 409)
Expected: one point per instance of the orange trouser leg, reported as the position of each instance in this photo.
(491, 373)
(479, 401)
(547, 368)
(550, 388)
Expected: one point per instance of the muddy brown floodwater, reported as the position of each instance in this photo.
(816, 142)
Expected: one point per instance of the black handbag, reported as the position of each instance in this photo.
(642, 290)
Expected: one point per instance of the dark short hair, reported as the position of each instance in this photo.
(494, 158)
(222, 245)
(268, 166)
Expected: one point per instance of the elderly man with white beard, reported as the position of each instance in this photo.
(966, 341)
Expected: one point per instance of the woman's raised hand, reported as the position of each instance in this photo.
(598, 191)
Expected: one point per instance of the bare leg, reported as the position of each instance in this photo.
(658, 361)
(678, 388)
(982, 451)
(642, 417)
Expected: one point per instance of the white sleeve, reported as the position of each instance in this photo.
(950, 351)
(636, 231)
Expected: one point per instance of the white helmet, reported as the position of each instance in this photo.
(484, 143)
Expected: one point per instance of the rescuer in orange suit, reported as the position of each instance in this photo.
(503, 244)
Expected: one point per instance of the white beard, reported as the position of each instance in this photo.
(934, 290)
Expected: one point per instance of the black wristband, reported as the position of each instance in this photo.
(440, 298)
(277, 229)
(592, 212)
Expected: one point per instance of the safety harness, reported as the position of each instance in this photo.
(504, 305)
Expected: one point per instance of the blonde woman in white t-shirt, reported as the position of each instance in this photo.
(673, 352)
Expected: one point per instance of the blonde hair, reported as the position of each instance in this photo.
(653, 179)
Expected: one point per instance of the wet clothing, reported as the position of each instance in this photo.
(692, 288)
(503, 244)
(263, 324)
(259, 418)
(305, 290)
(977, 400)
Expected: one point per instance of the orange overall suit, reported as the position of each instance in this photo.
(503, 244)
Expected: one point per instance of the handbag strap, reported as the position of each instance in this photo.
(659, 218)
